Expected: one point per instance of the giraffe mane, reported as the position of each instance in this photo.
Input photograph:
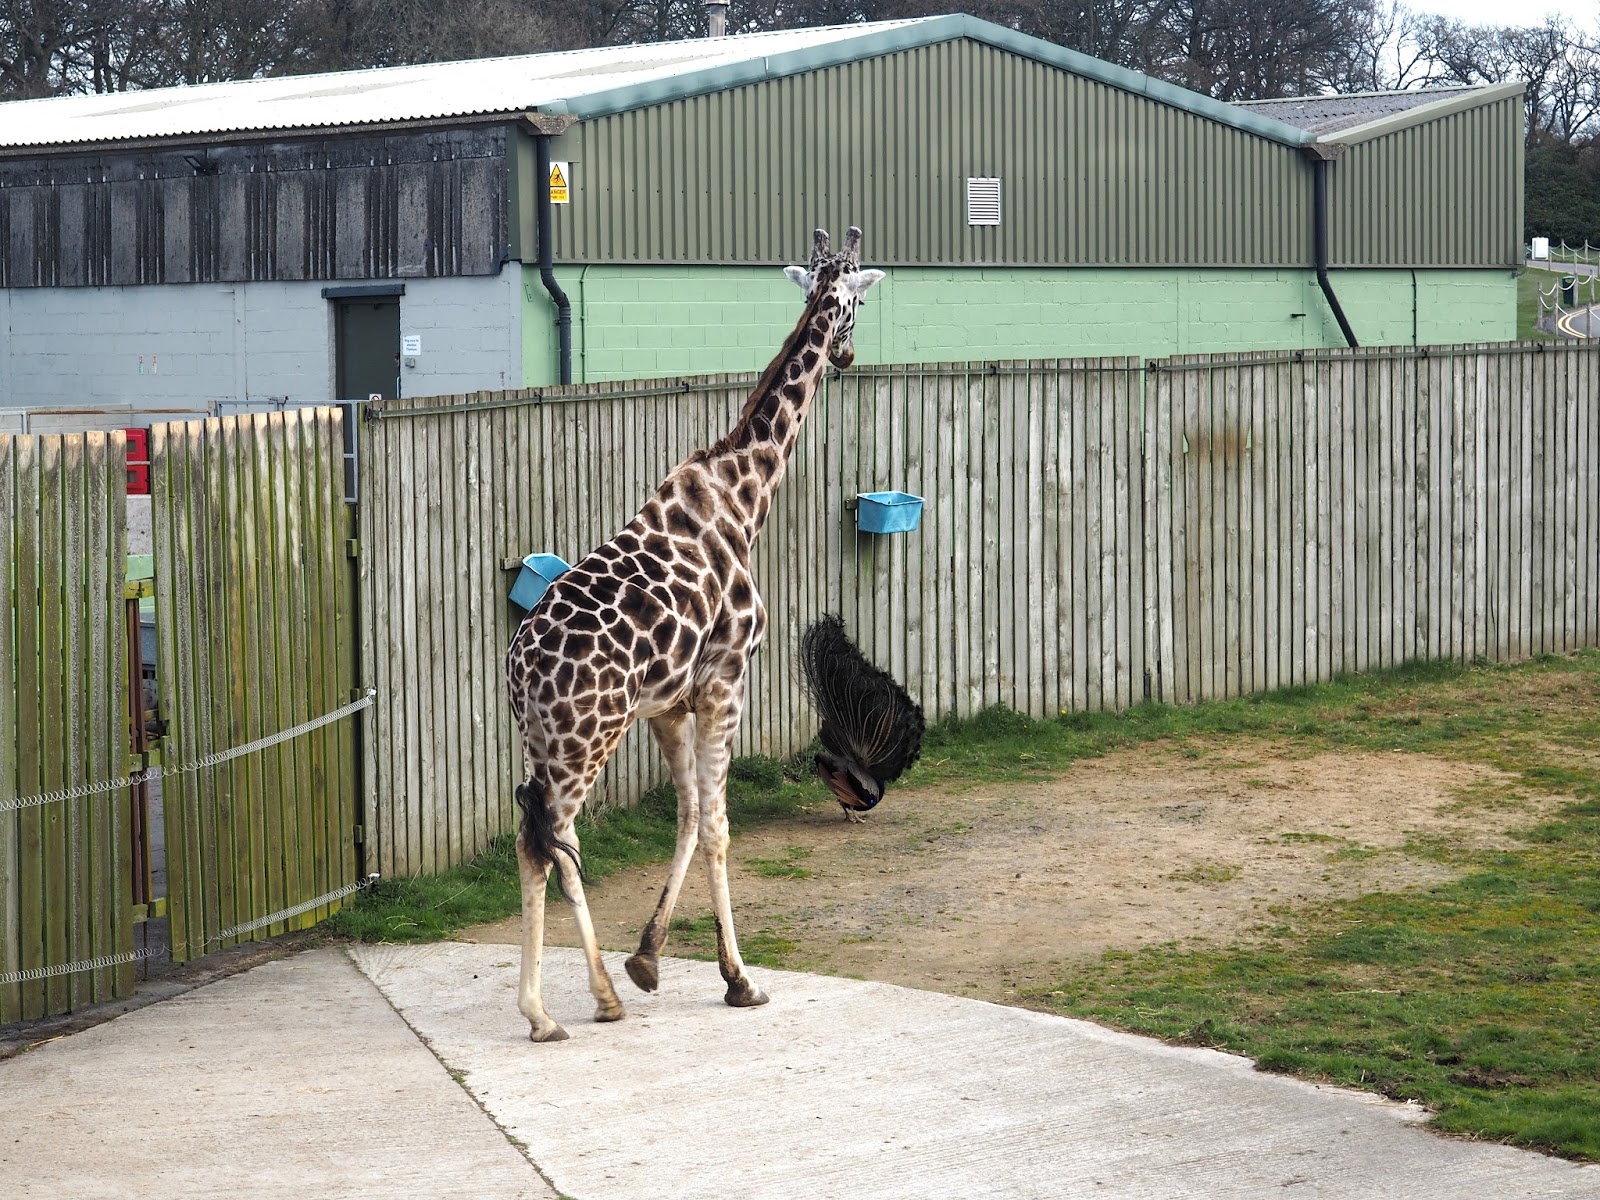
(768, 380)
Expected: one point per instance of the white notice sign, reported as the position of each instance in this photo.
(411, 344)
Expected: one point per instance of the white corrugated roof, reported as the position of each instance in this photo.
(557, 81)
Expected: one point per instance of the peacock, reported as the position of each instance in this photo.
(871, 729)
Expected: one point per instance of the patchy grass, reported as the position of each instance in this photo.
(787, 867)
(1477, 997)
(1206, 873)
(427, 908)
(696, 937)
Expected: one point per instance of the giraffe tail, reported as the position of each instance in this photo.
(539, 833)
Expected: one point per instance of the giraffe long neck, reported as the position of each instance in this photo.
(757, 449)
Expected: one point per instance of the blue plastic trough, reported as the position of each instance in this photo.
(887, 512)
(537, 574)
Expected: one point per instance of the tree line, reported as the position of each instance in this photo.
(1230, 49)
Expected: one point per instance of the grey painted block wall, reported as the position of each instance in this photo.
(192, 347)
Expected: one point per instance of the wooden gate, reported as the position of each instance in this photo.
(254, 628)
(66, 902)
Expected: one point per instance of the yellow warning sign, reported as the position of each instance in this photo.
(559, 192)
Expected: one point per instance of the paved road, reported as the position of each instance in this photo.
(1584, 322)
(334, 1075)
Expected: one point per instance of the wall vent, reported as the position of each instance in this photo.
(983, 201)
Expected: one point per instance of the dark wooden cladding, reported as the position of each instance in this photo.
(417, 204)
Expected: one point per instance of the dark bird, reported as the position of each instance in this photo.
(871, 729)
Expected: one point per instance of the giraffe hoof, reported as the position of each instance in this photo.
(642, 970)
(553, 1034)
(610, 1012)
(743, 994)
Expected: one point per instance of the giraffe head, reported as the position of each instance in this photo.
(836, 280)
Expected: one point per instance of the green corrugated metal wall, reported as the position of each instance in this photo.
(1446, 193)
(1092, 176)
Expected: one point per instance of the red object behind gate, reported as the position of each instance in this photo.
(138, 458)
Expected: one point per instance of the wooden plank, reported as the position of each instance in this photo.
(885, 578)
(243, 622)
(1172, 599)
(1195, 443)
(1357, 561)
(73, 701)
(413, 794)
(223, 816)
(1384, 553)
(967, 491)
(31, 823)
(183, 907)
(1113, 551)
(1266, 515)
(112, 863)
(52, 746)
(302, 829)
(1570, 524)
(373, 572)
(317, 755)
(1588, 530)
(271, 687)
(12, 897)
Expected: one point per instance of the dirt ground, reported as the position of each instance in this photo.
(995, 889)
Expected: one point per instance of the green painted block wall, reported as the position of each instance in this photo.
(646, 322)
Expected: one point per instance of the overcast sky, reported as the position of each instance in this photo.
(1511, 12)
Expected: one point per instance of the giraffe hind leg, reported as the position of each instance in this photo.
(534, 871)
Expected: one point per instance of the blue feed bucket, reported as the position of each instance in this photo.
(538, 572)
(887, 512)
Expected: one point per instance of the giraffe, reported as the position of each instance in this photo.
(660, 623)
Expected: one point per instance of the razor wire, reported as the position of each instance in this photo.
(149, 774)
(35, 974)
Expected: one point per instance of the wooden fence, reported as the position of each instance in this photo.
(1316, 514)
(1096, 532)
(65, 890)
(255, 636)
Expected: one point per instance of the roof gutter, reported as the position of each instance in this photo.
(1321, 154)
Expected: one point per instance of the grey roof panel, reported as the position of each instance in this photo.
(1322, 115)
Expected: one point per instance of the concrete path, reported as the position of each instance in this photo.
(840, 1088)
(305, 1078)
(293, 1080)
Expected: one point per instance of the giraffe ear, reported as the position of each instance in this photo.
(859, 281)
(800, 277)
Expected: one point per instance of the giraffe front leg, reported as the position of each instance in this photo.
(529, 1000)
(674, 733)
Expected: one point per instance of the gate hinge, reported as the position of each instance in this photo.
(359, 834)
(352, 548)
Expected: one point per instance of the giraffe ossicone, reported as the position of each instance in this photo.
(659, 624)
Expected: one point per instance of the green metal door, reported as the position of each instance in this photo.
(367, 348)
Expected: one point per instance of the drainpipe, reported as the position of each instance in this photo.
(547, 261)
(1321, 153)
